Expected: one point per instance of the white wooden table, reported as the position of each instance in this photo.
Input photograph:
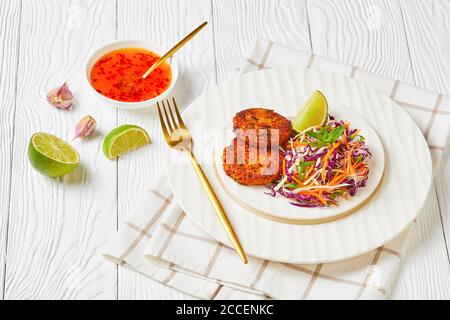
(52, 232)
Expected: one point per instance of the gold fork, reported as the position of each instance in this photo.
(177, 136)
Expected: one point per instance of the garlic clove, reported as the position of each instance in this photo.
(85, 127)
(61, 97)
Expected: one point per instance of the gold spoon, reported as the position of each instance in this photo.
(174, 49)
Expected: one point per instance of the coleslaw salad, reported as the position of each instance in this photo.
(323, 164)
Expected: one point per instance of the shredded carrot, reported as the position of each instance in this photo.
(338, 179)
(356, 166)
(298, 144)
(364, 172)
(314, 194)
(325, 159)
(349, 161)
(309, 171)
(298, 181)
(324, 201)
(344, 137)
(321, 199)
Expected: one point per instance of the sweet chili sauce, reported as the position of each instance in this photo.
(118, 75)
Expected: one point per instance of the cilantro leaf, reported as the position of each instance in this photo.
(305, 164)
(335, 134)
(318, 144)
(324, 136)
(315, 135)
(302, 169)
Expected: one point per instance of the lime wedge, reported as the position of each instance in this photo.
(313, 113)
(124, 139)
(52, 156)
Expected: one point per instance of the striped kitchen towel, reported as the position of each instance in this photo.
(161, 242)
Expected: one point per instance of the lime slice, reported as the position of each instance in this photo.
(52, 156)
(313, 113)
(124, 139)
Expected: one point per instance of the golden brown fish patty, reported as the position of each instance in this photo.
(262, 121)
(247, 165)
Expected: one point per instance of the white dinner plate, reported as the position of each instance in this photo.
(399, 196)
(256, 200)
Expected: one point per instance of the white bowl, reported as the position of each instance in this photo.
(130, 44)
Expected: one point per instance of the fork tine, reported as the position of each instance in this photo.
(169, 126)
(180, 120)
(163, 125)
(175, 125)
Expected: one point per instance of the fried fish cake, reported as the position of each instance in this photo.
(257, 124)
(248, 165)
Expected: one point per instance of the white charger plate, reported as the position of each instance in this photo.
(400, 196)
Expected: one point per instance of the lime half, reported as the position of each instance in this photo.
(124, 139)
(313, 113)
(52, 156)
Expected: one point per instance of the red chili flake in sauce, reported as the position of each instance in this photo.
(123, 79)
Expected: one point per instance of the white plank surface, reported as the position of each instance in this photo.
(427, 26)
(9, 46)
(428, 30)
(368, 34)
(238, 23)
(57, 229)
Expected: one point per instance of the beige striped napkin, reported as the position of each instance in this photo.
(161, 242)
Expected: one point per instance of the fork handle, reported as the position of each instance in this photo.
(220, 212)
